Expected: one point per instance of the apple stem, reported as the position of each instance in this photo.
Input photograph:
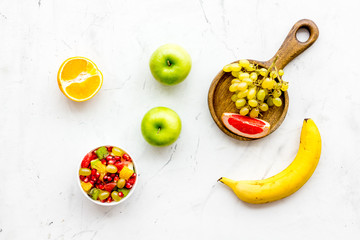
(158, 131)
(168, 62)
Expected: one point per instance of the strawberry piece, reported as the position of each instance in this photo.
(119, 165)
(86, 161)
(109, 186)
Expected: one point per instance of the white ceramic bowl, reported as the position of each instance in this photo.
(113, 203)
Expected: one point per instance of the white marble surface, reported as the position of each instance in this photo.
(44, 135)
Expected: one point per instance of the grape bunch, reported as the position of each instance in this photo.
(255, 89)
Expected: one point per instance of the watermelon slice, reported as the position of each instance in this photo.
(245, 126)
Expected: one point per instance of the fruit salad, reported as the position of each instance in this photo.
(107, 174)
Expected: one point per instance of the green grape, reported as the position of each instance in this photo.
(104, 195)
(234, 97)
(253, 76)
(261, 94)
(115, 196)
(244, 111)
(263, 107)
(243, 93)
(242, 86)
(269, 102)
(268, 83)
(240, 103)
(273, 74)
(235, 80)
(244, 63)
(274, 84)
(277, 102)
(252, 93)
(117, 151)
(248, 81)
(84, 171)
(233, 87)
(235, 74)
(276, 93)
(263, 72)
(254, 113)
(121, 183)
(227, 68)
(284, 86)
(243, 75)
(253, 103)
(111, 168)
(281, 72)
(235, 67)
(250, 67)
(265, 91)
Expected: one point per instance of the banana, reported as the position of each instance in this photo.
(290, 179)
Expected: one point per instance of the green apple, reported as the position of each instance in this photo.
(161, 126)
(170, 64)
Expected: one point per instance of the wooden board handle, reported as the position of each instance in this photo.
(291, 46)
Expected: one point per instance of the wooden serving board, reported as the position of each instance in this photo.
(219, 96)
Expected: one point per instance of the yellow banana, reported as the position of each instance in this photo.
(290, 179)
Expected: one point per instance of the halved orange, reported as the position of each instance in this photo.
(79, 79)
